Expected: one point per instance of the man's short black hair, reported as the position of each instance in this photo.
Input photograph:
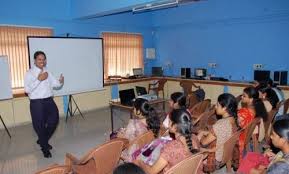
(37, 53)
(128, 168)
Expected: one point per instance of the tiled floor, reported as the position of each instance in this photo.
(21, 154)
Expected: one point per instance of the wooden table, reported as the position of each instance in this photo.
(117, 105)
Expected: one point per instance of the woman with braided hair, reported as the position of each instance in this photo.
(177, 101)
(183, 145)
(146, 119)
(220, 132)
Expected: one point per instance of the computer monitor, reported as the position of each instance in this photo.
(157, 71)
(137, 71)
(127, 96)
(261, 75)
(140, 90)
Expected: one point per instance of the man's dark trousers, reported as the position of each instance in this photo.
(45, 117)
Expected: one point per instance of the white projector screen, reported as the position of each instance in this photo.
(80, 60)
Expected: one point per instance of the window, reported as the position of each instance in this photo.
(13, 43)
(122, 53)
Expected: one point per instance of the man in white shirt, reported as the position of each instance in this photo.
(39, 84)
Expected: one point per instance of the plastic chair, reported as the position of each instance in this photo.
(239, 98)
(100, 160)
(140, 141)
(249, 129)
(268, 123)
(200, 108)
(192, 100)
(286, 105)
(55, 169)
(187, 86)
(228, 150)
(157, 87)
(143, 139)
(202, 121)
(189, 165)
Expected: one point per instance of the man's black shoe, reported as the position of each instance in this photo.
(49, 146)
(46, 153)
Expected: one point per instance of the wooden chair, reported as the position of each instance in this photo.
(157, 87)
(189, 165)
(228, 150)
(286, 105)
(200, 108)
(187, 86)
(100, 160)
(249, 130)
(55, 169)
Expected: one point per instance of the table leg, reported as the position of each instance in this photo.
(111, 117)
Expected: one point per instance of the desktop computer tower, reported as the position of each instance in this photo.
(280, 77)
(186, 72)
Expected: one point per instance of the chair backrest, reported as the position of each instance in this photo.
(192, 100)
(238, 98)
(229, 146)
(189, 165)
(202, 121)
(200, 107)
(55, 169)
(286, 106)
(124, 140)
(161, 85)
(279, 104)
(143, 139)
(270, 119)
(187, 86)
(163, 131)
(249, 129)
(106, 156)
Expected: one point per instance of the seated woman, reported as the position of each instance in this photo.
(183, 145)
(280, 96)
(253, 108)
(279, 163)
(277, 90)
(146, 119)
(177, 101)
(268, 95)
(221, 131)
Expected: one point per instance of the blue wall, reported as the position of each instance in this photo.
(233, 34)
(44, 9)
(101, 7)
(57, 15)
